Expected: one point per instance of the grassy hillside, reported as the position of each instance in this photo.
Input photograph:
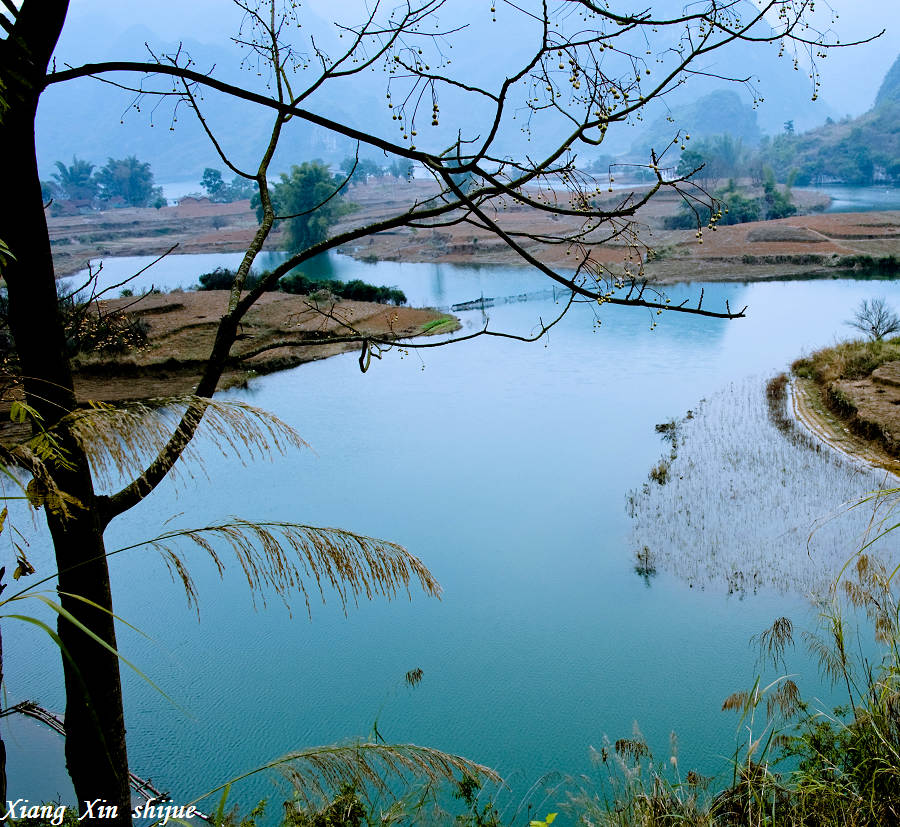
(860, 150)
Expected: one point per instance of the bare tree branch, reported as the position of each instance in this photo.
(596, 98)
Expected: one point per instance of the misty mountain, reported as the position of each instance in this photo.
(93, 120)
(714, 114)
(889, 91)
(860, 150)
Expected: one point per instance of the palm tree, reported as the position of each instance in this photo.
(76, 181)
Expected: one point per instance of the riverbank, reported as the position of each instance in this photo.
(804, 246)
(280, 331)
(848, 396)
(809, 409)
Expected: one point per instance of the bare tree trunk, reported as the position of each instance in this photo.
(96, 754)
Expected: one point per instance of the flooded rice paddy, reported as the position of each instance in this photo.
(735, 502)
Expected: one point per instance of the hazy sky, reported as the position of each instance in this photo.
(850, 75)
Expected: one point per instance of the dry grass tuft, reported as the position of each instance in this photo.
(773, 641)
(371, 768)
(120, 440)
(847, 360)
(284, 557)
(736, 700)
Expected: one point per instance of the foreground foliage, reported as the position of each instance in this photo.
(795, 764)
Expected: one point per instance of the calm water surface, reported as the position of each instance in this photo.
(505, 468)
(845, 198)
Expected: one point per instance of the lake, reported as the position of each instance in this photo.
(507, 468)
(847, 198)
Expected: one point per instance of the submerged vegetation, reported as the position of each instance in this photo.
(733, 464)
(795, 761)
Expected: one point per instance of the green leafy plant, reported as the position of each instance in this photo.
(308, 201)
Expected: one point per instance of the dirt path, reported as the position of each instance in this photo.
(809, 409)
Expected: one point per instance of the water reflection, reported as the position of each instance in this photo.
(504, 467)
(424, 284)
(846, 198)
(737, 505)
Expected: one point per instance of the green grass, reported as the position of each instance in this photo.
(428, 327)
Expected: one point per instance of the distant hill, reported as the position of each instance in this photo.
(713, 114)
(94, 121)
(859, 151)
(889, 92)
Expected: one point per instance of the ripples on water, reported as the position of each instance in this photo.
(505, 467)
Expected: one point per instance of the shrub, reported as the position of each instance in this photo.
(739, 207)
(87, 327)
(356, 290)
(870, 265)
(222, 278)
(219, 279)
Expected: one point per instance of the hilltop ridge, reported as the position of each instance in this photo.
(860, 151)
(889, 91)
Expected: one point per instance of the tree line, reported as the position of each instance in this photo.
(857, 152)
(125, 182)
(299, 284)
